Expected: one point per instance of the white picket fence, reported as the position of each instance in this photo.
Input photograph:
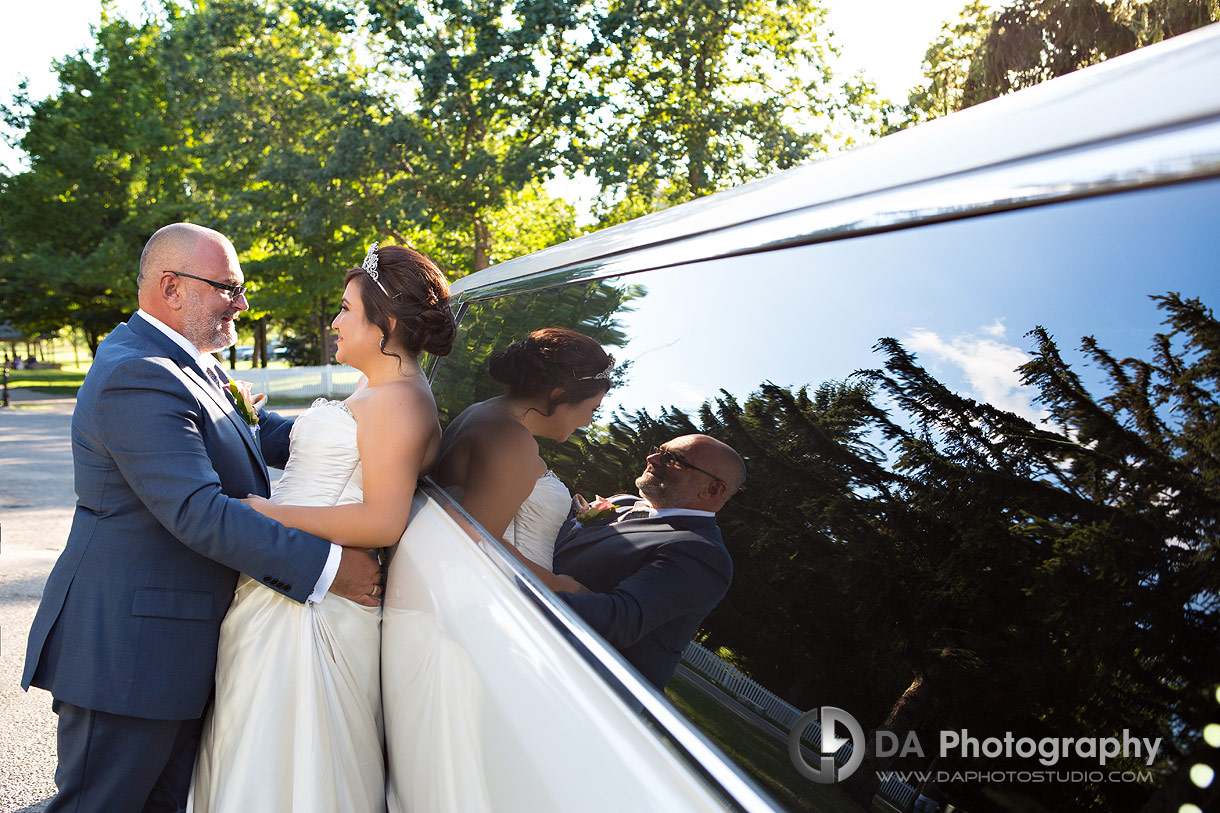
(330, 381)
(761, 700)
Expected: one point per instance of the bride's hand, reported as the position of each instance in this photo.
(259, 504)
(259, 401)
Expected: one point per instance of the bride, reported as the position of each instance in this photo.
(296, 722)
(554, 380)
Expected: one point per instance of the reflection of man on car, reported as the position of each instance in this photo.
(659, 567)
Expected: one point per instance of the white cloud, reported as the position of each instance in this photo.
(687, 395)
(989, 366)
(995, 329)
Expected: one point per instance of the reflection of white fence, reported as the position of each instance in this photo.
(897, 791)
(753, 694)
(741, 686)
(331, 381)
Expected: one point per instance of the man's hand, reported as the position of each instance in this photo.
(358, 577)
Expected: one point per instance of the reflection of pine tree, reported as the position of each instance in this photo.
(1001, 575)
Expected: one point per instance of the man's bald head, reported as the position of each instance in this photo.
(177, 247)
(724, 460)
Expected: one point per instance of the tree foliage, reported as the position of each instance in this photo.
(496, 90)
(986, 54)
(704, 95)
(104, 172)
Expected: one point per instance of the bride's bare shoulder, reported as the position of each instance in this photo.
(397, 401)
(486, 429)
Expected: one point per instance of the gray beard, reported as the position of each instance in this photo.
(209, 336)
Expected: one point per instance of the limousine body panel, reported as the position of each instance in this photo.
(487, 707)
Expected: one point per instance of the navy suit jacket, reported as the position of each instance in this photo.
(653, 583)
(130, 615)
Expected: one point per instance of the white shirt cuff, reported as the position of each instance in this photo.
(328, 574)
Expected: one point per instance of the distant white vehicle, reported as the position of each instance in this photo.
(1065, 205)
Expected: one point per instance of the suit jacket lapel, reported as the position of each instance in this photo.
(192, 371)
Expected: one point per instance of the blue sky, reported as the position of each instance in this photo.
(960, 295)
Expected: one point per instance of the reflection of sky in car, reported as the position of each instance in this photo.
(961, 295)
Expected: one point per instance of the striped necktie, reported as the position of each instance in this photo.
(215, 375)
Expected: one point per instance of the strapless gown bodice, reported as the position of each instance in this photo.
(534, 528)
(323, 462)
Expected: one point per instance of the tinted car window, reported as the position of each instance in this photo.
(973, 502)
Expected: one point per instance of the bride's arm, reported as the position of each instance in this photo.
(394, 426)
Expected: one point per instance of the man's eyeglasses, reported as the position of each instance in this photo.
(673, 458)
(233, 291)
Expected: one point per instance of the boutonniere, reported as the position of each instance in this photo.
(593, 512)
(244, 401)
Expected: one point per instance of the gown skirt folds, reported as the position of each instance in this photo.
(296, 725)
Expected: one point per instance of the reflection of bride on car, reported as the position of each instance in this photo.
(555, 379)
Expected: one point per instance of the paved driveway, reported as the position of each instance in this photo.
(36, 500)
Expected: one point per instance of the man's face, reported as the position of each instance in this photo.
(670, 479)
(209, 316)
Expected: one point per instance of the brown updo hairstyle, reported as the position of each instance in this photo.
(415, 300)
(553, 359)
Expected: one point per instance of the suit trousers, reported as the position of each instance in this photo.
(109, 763)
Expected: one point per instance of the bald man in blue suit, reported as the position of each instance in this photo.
(125, 636)
(660, 566)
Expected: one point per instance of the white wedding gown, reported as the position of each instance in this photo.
(434, 736)
(296, 724)
(537, 522)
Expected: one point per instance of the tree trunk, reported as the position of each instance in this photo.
(909, 711)
(482, 245)
(323, 341)
(259, 357)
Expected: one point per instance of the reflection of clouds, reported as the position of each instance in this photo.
(686, 395)
(996, 329)
(989, 365)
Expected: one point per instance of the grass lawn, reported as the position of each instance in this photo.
(761, 756)
(49, 382)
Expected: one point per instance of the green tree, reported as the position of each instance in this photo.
(984, 55)
(494, 92)
(947, 65)
(105, 172)
(705, 94)
(281, 160)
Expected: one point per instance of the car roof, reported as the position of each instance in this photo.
(1161, 86)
